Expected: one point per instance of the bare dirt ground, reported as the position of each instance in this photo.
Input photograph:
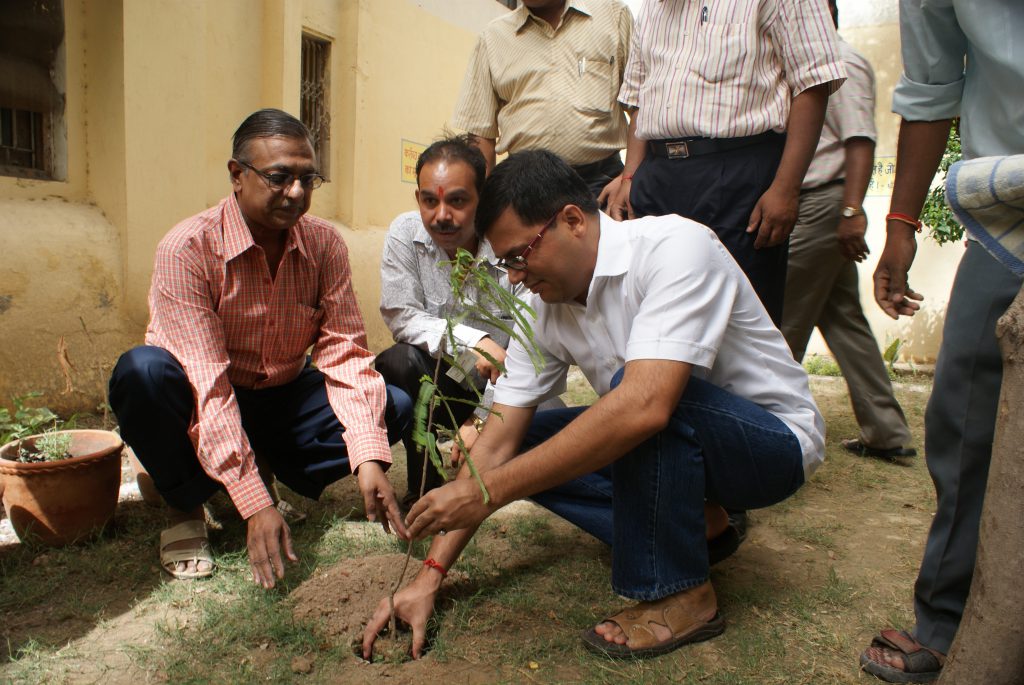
(817, 576)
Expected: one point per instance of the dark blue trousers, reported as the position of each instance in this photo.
(292, 425)
(720, 190)
(649, 504)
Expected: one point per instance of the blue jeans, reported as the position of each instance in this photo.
(292, 424)
(649, 504)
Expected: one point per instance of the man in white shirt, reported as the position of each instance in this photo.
(664, 325)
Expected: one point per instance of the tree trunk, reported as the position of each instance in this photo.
(989, 647)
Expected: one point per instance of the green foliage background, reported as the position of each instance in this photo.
(936, 214)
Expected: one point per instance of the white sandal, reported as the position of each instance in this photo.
(200, 551)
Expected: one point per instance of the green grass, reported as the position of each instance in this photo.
(820, 365)
(801, 598)
(817, 535)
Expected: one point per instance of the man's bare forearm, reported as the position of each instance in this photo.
(497, 444)
(918, 152)
(600, 435)
(860, 158)
(636, 149)
(802, 132)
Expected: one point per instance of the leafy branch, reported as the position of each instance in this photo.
(936, 214)
(25, 420)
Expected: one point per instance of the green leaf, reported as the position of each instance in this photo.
(942, 224)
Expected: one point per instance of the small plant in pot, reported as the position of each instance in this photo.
(53, 445)
(61, 486)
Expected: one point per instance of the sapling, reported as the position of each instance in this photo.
(481, 299)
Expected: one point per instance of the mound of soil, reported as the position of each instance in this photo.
(341, 598)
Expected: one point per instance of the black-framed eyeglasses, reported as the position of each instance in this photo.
(279, 180)
(518, 263)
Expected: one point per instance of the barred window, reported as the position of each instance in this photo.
(314, 109)
(32, 134)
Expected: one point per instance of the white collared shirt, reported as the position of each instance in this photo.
(666, 288)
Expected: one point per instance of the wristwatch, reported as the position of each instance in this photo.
(850, 212)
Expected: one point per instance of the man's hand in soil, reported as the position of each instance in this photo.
(456, 505)
(413, 605)
(267, 537)
(379, 498)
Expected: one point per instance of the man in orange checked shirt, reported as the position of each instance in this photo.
(240, 292)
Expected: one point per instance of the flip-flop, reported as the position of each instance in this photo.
(675, 612)
(200, 551)
(920, 664)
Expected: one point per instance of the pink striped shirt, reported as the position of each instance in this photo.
(214, 306)
(726, 68)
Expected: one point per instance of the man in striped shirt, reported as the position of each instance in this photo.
(546, 76)
(727, 101)
(240, 292)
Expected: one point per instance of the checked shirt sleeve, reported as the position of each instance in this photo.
(182, 309)
(354, 389)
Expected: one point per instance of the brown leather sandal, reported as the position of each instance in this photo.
(691, 616)
(920, 664)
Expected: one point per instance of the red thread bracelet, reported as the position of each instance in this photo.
(627, 177)
(430, 563)
(905, 218)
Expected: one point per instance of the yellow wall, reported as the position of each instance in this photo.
(155, 88)
(61, 297)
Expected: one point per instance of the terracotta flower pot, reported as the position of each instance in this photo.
(61, 502)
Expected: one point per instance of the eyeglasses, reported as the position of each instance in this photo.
(278, 180)
(518, 263)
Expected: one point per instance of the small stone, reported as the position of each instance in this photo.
(302, 664)
(534, 665)
(41, 560)
(265, 645)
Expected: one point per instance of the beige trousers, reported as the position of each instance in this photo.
(822, 290)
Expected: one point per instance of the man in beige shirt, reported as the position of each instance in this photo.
(546, 75)
(822, 287)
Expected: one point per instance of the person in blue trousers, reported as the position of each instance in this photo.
(701, 406)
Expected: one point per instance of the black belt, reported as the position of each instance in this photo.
(691, 147)
(586, 170)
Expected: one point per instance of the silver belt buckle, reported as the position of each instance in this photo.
(677, 150)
